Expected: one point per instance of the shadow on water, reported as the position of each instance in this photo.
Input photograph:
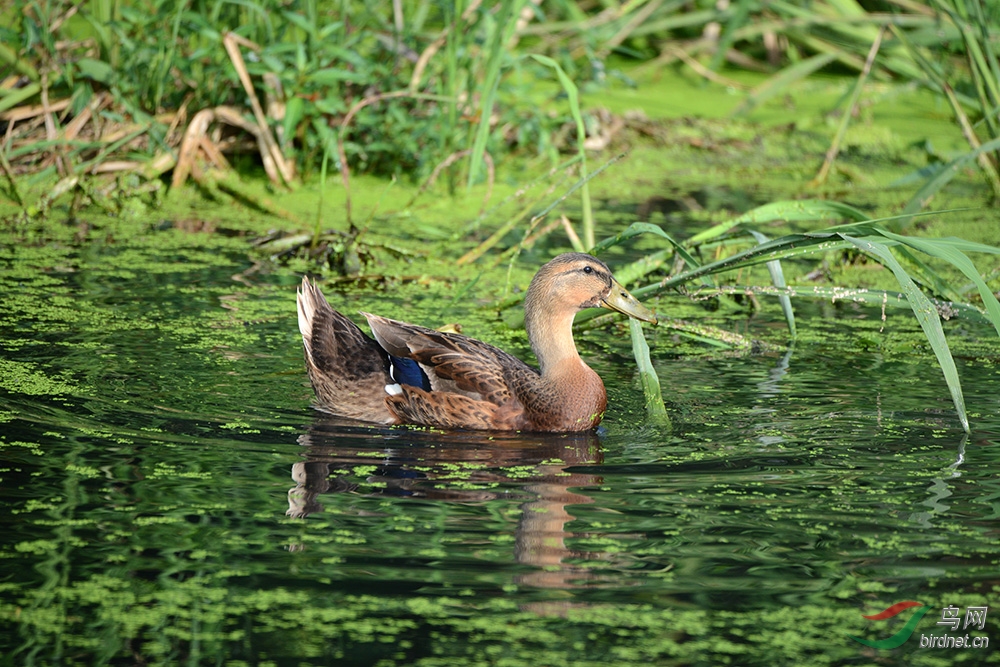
(466, 467)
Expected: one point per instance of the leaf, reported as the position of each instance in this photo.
(285, 243)
(332, 105)
(98, 70)
(294, 111)
(637, 228)
(776, 84)
(862, 295)
(792, 245)
(331, 75)
(789, 211)
(502, 29)
(931, 187)
(301, 22)
(927, 316)
(961, 261)
(919, 176)
(348, 56)
(925, 274)
(13, 98)
(656, 412)
(778, 278)
(573, 96)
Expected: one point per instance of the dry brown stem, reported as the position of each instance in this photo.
(112, 166)
(50, 123)
(18, 114)
(277, 167)
(196, 129)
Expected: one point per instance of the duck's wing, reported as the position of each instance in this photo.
(348, 370)
(449, 410)
(476, 368)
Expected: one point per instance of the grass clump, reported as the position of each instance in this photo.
(419, 90)
(167, 88)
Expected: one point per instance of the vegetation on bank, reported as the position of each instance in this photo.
(103, 98)
(425, 90)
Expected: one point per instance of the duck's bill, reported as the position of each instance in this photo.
(619, 299)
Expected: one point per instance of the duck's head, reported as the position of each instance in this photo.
(574, 281)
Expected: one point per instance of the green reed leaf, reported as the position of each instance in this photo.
(927, 316)
(656, 412)
(778, 278)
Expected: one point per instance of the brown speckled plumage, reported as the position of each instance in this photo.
(473, 385)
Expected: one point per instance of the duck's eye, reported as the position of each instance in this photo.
(588, 269)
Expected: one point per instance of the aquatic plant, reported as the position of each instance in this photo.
(973, 92)
(421, 88)
(100, 88)
(896, 252)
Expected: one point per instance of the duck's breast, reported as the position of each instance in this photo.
(568, 398)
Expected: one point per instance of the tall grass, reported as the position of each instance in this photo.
(149, 64)
(864, 235)
(978, 114)
(948, 46)
(311, 62)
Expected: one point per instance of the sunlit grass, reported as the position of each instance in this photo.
(865, 235)
(438, 87)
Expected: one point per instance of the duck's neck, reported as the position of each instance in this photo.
(551, 336)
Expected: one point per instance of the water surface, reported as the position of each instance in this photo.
(170, 498)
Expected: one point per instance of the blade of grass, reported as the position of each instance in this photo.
(475, 224)
(15, 192)
(942, 178)
(573, 95)
(961, 261)
(927, 316)
(794, 245)
(327, 149)
(643, 266)
(637, 228)
(778, 278)
(982, 61)
(505, 21)
(776, 84)
(20, 65)
(656, 412)
(860, 295)
(936, 79)
(719, 338)
(736, 21)
(477, 252)
(789, 211)
(15, 97)
(633, 272)
(845, 118)
(984, 158)
(925, 274)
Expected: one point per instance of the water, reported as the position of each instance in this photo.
(169, 497)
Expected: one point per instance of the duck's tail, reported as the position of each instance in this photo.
(348, 370)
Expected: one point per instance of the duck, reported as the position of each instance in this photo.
(406, 374)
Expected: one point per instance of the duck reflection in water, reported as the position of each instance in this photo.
(526, 469)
